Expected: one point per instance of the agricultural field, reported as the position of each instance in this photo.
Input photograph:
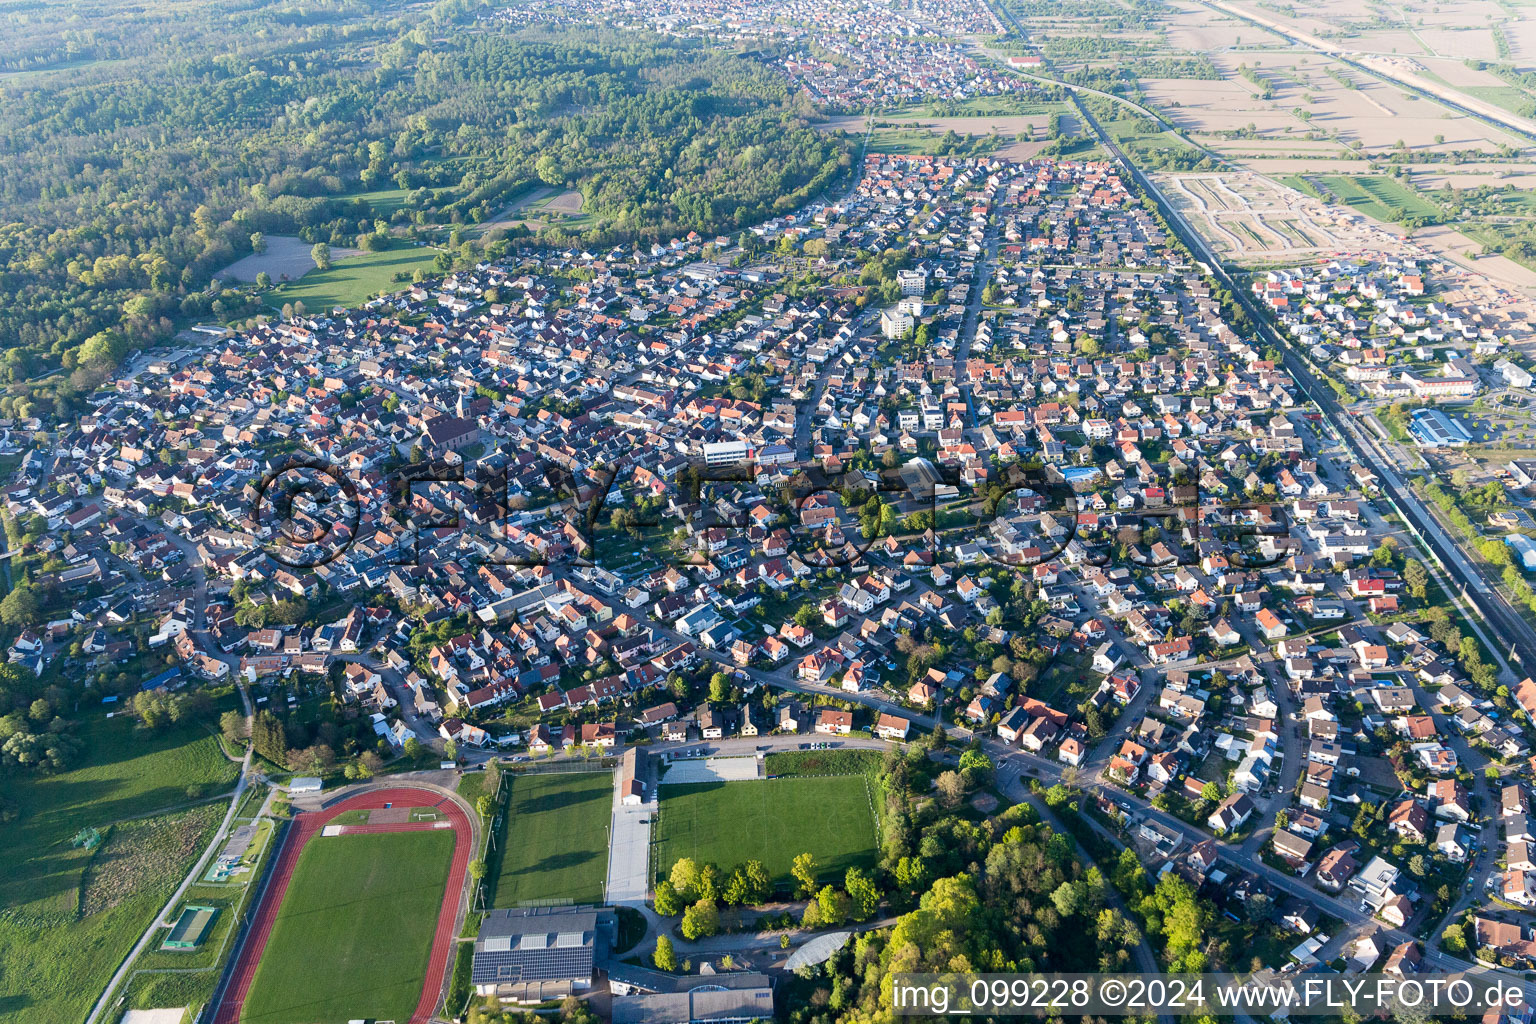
(559, 204)
(1287, 105)
(354, 280)
(1462, 29)
(354, 934)
(1088, 30)
(1461, 242)
(772, 820)
(1193, 26)
(1377, 196)
(555, 841)
(73, 913)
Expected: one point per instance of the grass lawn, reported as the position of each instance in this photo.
(54, 959)
(355, 930)
(352, 281)
(1066, 682)
(1378, 196)
(772, 820)
(471, 786)
(555, 844)
(385, 201)
(1515, 100)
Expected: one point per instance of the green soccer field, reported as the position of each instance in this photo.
(354, 934)
(555, 838)
(771, 820)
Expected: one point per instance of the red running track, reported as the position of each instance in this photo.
(305, 827)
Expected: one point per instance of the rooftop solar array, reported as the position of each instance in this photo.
(535, 944)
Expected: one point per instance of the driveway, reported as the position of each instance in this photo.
(629, 850)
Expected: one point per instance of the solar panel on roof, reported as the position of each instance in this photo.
(532, 965)
(534, 944)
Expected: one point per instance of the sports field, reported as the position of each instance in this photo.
(772, 820)
(354, 933)
(555, 838)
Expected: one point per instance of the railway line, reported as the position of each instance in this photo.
(1477, 589)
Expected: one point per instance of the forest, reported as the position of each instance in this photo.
(143, 151)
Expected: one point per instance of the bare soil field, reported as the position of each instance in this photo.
(1522, 40)
(1455, 245)
(1428, 177)
(1458, 73)
(1327, 19)
(1392, 52)
(154, 1016)
(1020, 150)
(566, 202)
(1474, 42)
(1215, 106)
(1375, 114)
(851, 123)
(1458, 30)
(1389, 40)
(1193, 26)
(1454, 14)
(1413, 72)
(287, 259)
